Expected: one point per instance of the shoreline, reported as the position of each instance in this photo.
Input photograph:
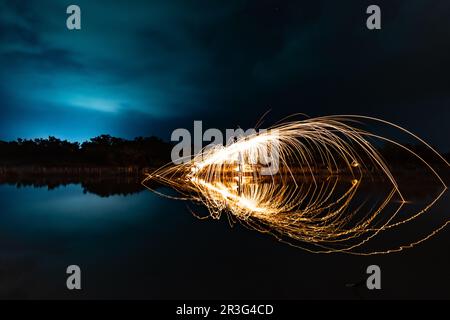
(71, 170)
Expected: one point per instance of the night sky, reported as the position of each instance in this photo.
(139, 68)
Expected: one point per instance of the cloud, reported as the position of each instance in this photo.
(166, 61)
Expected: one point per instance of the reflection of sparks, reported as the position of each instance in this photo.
(310, 201)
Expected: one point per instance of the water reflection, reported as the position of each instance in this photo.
(139, 245)
(102, 186)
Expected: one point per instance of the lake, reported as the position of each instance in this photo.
(136, 244)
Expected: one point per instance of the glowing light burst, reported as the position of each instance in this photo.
(312, 199)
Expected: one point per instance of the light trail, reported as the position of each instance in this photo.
(312, 200)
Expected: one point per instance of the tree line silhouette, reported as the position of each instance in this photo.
(140, 152)
(107, 165)
(103, 150)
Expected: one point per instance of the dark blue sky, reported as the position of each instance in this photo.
(147, 67)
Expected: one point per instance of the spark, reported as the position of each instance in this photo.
(311, 199)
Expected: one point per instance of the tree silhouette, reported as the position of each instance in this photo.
(103, 150)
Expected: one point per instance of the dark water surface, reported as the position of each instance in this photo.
(142, 246)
